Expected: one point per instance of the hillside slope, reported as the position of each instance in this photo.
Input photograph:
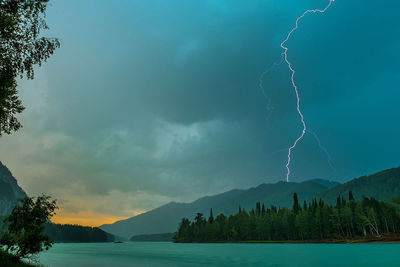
(10, 191)
(166, 218)
(76, 233)
(383, 185)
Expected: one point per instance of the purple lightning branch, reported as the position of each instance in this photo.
(294, 84)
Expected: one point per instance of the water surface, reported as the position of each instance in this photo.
(169, 254)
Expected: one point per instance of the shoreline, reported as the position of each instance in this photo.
(298, 242)
(384, 239)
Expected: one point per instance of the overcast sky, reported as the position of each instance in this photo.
(153, 101)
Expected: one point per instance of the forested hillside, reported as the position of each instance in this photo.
(166, 218)
(10, 191)
(367, 218)
(76, 233)
(383, 185)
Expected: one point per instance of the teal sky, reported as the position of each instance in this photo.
(152, 101)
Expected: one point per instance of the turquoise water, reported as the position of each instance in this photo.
(170, 254)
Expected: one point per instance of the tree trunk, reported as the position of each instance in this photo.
(387, 228)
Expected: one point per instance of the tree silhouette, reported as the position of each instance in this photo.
(25, 225)
(21, 48)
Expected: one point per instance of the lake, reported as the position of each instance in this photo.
(169, 254)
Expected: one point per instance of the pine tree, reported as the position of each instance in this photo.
(351, 197)
(315, 221)
(305, 205)
(199, 219)
(258, 209)
(338, 203)
(296, 206)
(273, 209)
(343, 202)
(211, 218)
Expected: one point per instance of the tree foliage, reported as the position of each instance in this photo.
(21, 48)
(25, 225)
(76, 233)
(314, 221)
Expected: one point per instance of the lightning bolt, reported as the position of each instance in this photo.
(270, 108)
(285, 55)
(275, 64)
(323, 149)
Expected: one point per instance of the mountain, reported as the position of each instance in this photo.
(10, 191)
(167, 237)
(383, 185)
(165, 219)
(326, 183)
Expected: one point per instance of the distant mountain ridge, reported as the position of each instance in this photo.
(166, 218)
(327, 183)
(383, 185)
(166, 237)
(10, 191)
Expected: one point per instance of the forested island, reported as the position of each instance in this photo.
(316, 221)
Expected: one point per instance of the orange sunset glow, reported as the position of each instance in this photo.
(86, 218)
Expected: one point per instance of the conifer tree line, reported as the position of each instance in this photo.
(316, 220)
(76, 233)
